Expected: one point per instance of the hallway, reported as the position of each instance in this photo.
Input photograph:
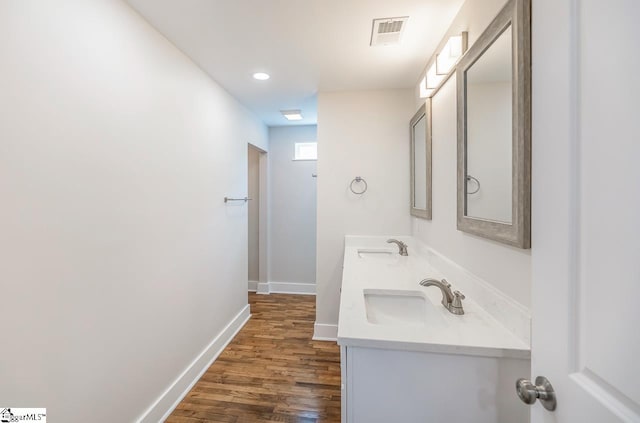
(271, 372)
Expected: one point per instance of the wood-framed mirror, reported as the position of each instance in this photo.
(420, 138)
(494, 130)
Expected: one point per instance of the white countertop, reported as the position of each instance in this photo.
(474, 333)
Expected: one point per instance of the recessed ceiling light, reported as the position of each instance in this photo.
(261, 76)
(292, 114)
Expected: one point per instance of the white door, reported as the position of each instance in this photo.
(586, 208)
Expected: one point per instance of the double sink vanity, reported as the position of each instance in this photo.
(406, 357)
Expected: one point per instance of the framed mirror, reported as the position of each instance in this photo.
(494, 130)
(420, 128)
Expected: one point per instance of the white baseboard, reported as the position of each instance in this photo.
(253, 286)
(262, 288)
(160, 410)
(284, 288)
(292, 288)
(324, 332)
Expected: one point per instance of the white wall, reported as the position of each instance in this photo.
(365, 134)
(292, 236)
(507, 268)
(254, 213)
(119, 260)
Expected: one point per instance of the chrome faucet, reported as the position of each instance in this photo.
(452, 301)
(401, 245)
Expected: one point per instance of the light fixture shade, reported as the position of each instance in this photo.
(433, 77)
(424, 91)
(292, 114)
(450, 54)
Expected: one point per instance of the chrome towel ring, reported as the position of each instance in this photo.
(471, 178)
(358, 180)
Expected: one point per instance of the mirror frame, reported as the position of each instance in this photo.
(423, 111)
(516, 13)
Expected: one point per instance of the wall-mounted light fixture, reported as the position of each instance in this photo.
(451, 53)
(442, 66)
(424, 91)
(433, 77)
(292, 114)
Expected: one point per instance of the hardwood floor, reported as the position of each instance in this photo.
(271, 372)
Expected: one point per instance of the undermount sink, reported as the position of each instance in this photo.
(379, 255)
(396, 307)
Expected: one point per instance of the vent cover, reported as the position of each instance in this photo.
(387, 31)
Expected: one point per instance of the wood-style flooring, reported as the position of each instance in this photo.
(271, 372)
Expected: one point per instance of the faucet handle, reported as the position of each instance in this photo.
(457, 301)
(456, 304)
(447, 284)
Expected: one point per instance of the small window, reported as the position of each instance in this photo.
(306, 151)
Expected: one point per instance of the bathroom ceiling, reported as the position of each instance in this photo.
(306, 46)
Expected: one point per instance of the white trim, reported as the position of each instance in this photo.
(284, 288)
(264, 228)
(161, 409)
(253, 286)
(292, 288)
(262, 288)
(324, 332)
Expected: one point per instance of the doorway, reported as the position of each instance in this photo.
(257, 230)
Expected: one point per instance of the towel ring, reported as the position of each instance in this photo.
(471, 178)
(358, 179)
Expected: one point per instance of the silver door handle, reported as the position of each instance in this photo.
(542, 390)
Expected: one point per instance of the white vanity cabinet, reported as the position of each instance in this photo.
(382, 386)
(406, 358)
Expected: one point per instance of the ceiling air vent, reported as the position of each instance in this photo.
(387, 31)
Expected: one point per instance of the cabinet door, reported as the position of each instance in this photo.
(385, 386)
(343, 382)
